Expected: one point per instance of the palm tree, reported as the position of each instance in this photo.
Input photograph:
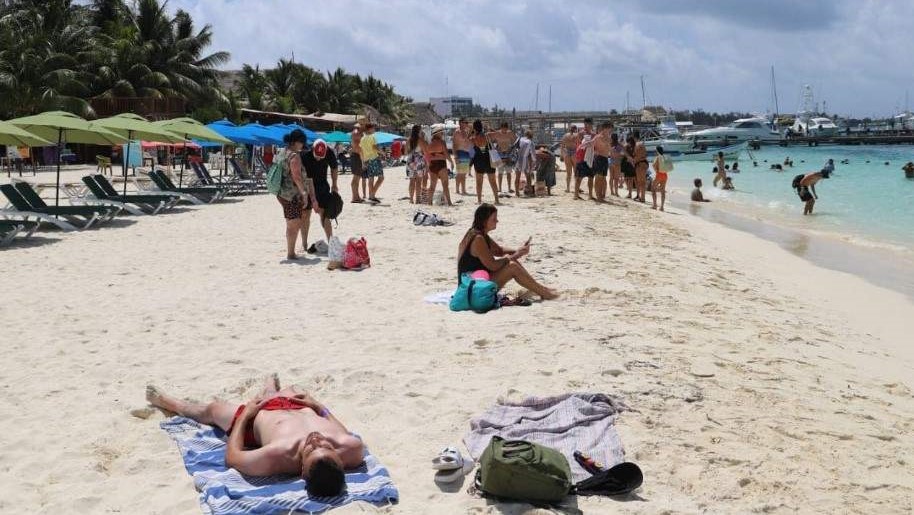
(44, 48)
(310, 90)
(280, 82)
(341, 95)
(252, 85)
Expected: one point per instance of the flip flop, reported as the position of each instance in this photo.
(448, 459)
(444, 477)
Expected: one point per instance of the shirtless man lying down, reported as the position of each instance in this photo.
(281, 431)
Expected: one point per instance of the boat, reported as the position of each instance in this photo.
(731, 153)
(809, 122)
(742, 130)
(671, 146)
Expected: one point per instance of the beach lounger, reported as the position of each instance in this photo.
(133, 204)
(149, 197)
(200, 194)
(10, 228)
(23, 209)
(246, 179)
(207, 180)
(99, 213)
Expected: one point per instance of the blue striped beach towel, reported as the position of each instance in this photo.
(224, 491)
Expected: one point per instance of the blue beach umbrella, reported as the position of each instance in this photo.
(386, 138)
(337, 137)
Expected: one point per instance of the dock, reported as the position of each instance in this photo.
(906, 138)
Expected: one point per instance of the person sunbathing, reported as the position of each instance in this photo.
(281, 431)
(477, 251)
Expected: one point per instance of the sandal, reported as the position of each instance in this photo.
(448, 459)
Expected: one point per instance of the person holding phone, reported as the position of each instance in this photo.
(478, 251)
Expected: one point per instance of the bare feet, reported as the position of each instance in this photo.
(550, 294)
(153, 395)
(291, 257)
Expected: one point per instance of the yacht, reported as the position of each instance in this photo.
(745, 129)
(808, 122)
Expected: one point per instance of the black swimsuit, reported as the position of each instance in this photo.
(468, 263)
(481, 161)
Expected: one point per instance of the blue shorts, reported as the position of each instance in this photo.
(373, 168)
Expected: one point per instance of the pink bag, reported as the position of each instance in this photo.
(356, 254)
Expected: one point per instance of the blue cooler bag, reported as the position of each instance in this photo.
(475, 294)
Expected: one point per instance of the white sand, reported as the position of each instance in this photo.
(761, 383)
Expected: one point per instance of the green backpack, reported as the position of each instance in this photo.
(274, 175)
(517, 469)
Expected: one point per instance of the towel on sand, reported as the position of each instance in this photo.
(441, 297)
(224, 491)
(579, 421)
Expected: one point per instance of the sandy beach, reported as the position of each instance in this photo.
(758, 382)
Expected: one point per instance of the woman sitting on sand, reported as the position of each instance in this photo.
(477, 251)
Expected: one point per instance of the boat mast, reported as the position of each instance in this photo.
(774, 90)
(643, 96)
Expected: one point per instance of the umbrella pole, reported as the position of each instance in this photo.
(57, 190)
(126, 160)
(183, 164)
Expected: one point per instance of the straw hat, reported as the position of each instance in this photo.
(438, 127)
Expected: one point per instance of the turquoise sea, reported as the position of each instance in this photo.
(865, 202)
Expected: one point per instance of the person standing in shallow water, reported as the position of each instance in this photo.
(478, 251)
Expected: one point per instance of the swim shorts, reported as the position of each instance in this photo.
(356, 162)
(274, 404)
(805, 194)
(600, 165)
(463, 162)
(662, 177)
(583, 170)
(374, 168)
(292, 209)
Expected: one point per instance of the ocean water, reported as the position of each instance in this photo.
(866, 201)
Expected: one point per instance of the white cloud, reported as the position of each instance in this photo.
(694, 54)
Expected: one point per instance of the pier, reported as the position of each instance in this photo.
(906, 138)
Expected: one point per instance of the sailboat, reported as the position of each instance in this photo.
(809, 122)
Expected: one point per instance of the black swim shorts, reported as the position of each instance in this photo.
(600, 165)
(583, 170)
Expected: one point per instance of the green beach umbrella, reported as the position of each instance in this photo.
(63, 127)
(191, 129)
(14, 136)
(132, 126)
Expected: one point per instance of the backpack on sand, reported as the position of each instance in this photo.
(478, 295)
(517, 469)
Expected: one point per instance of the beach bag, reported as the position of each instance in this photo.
(336, 250)
(517, 469)
(666, 164)
(474, 294)
(355, 255)
(494, 157)
(274, 175)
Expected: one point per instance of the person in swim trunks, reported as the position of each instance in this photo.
(504, 140)
(616, 153)
(355, 157)
(639, 156)
(279, 432)
(601, 147)
(462, 146)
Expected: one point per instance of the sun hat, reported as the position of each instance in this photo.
(438, 127)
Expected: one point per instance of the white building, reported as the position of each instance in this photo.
(447, 106)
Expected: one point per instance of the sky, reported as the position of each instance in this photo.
(714, 55)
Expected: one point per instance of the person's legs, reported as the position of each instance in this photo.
(377, 187)
(662, 195)
(479, 179)
(569, 171)
(216, 413)
(494, 186)
(445, 187)
(577, 186)
(600, 187)
(328, 229)
(293, 226)
(412, 189)
(305, 226)
(641, 183)
(654, 195)
(461, 183)
(356, 178)
(590, 187)
(516, 271)
(431, 187)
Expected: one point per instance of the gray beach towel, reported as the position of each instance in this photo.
(580, 421)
